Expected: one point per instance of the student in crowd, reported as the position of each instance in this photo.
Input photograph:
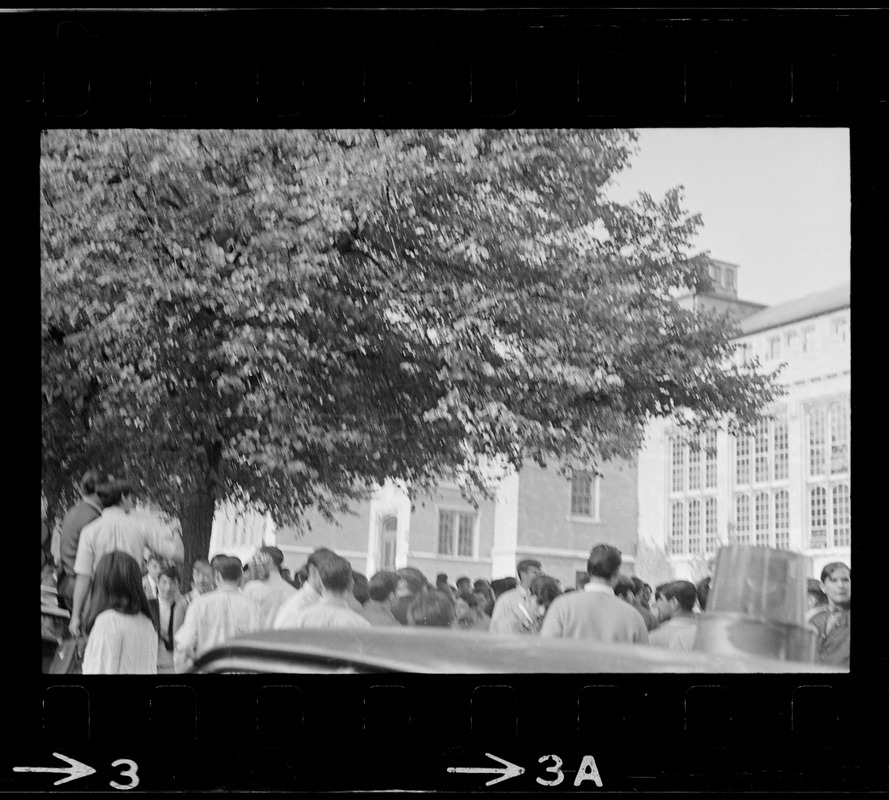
(464, 587)
(360, 588)
(595, 613)
(680, 627)
(87, 510)
(431, 610)
(153, 565)
(122, 637)
(333, 609)
(502, 585)
(543, 591)
(269, 590)
(469, 614)
(214, 617)
(381, 590)
(484, 594)
(168, 614)
(703, 589)
(512, 611)
(307, 595)
(116, 530)
(202, 580)
(834, 622)
(411, 584)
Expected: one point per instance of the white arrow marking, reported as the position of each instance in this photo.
(75, 771)
(511, 771)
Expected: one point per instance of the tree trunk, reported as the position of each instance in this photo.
(196, 518)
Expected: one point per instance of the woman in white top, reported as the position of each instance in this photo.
(122, 637)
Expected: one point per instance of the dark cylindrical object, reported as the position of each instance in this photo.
(757, 605)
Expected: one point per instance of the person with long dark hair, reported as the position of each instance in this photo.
(122, 637)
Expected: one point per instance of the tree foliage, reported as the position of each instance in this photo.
(289, 317)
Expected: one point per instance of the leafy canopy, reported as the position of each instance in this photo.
(288, 317)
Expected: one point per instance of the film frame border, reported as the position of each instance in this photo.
(834, 80)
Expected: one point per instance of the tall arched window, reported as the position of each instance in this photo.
(818, 517)
(677, 528)
(694, 526)
(842, 515)
(782, 520)
(742, 519)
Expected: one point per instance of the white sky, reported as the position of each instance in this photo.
(775, 201)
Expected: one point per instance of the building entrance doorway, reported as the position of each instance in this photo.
(388, 535)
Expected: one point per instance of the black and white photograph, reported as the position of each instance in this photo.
(452, 400)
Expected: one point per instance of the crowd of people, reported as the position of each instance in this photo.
(119, 580)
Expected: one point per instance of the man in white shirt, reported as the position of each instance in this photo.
(676, 604)
(308, 594)
(270, 590)
(217, 616)
(333, 609)
(114, 530)
(514, 612)
(596, 613)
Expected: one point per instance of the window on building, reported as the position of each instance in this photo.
(840, 438)
(583, 495)
(817, 517)
(729, 278)
(742, 461)
(711, 539)
(677, 528)
(761, 451)
(710, 460)
(716, 275)
(791, 339)
(694, 526)
(678, 480)
(782, 520)
(842, 515)
(456, 533)
(775, 347)
(761, 519)
(694, 469)
(808, 339)
(840, 329)
(781, 448)
(816, 423)
(742, 519)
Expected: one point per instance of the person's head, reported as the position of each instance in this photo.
(92, 479)
(168, 583)
(703, 588)
(502, 585)
(527, 571)
(335, 574)
(604, 563)
(431, 609)
(544, 590)
(275, 554)
(411, 581)
(484, 594)
(202, 576)
(464, 586)
(815, 593)
(625, 589)
(837, 581)
(117, 586)
(116, 492)
(638, 589)
(679, 597)
(229, 570)
(383, 586)
(646, 595)
(441, 579)
(155, 564)
(360, 587)
(313, 563)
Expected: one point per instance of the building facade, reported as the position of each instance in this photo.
(786, 486)
(535, 513)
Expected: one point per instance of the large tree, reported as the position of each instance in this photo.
(289, 317)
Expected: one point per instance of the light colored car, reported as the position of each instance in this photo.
(438, 651)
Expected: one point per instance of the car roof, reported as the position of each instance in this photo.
(408, 649)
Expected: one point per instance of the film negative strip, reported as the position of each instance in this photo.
(346, 713)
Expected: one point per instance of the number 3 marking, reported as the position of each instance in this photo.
(127, 773)
(556, 769)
